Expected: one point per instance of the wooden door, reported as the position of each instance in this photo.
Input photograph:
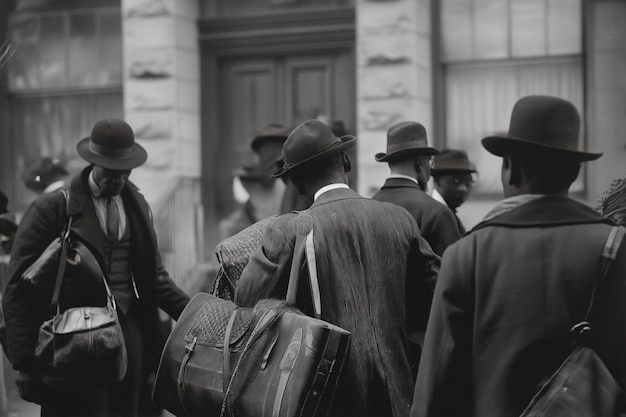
(286, 89)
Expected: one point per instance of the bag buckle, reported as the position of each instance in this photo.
(191, 346)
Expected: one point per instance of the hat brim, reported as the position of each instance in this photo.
(451, 171)
(7, 227)
(344, 143)
(501, 145)
(135, 159)
(407, 152)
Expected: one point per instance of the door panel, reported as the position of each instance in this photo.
(309, 83)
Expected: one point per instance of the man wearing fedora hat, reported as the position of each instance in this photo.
(408, 156)
(510, 290)
(373, 266)
(265, 193)
(452, 172)
(112, 218)
(46, 175)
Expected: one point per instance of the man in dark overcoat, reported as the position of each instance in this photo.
(374, 271)
(112, 218)
(510, 290)
(408, 156)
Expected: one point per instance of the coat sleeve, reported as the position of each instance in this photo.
(25, 307)
(445, 231)
(267, 273)
(443, 386)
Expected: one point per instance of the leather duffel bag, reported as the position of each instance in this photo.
(266, 361)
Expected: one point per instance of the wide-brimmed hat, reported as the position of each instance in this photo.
(112, 145)
(309, 142)
(406, 139)
(43, 173)
(452, 161)
(541, 123)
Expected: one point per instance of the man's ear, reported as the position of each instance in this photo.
(347, 164)
(515, 179)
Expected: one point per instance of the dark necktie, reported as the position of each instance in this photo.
(113, 219)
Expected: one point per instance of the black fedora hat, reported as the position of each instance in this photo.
(542, 123)
(451, 161)
(274, 132)
(112, 145)
(405, 139)
(310, 141)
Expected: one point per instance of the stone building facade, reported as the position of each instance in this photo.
(199, 77)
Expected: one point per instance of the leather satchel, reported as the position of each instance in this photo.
(583, 386)
(266, 361)
(83, 344)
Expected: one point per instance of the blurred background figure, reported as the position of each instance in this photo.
(452, 173)
(46, 175)
(263, 194)
(7, 234)
(612, 203)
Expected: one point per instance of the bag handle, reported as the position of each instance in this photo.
(609, 253)
(54, 304)
(304, 248)
(65, 237)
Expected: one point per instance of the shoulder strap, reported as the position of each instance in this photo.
(304, 224)
(304, 247)
(54, 304)
(609, 253)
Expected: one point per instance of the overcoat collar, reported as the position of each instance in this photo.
(400, 183)
(85, 223)
(551, 210)
(334, 195)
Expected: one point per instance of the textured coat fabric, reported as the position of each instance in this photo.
(374, 270)
(506, 298)
(25, 308)
(436, 221)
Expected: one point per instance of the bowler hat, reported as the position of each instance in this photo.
(273, 132)
(112, 145)
(542, 123)
(43, 173)
(309, 142)
(405, 139)
(451, 161)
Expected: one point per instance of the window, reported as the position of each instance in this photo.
(495, 51)
(64, 75)
(68, 49)
(213, 8)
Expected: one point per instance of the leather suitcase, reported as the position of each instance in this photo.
(277, 362)
(283, 363)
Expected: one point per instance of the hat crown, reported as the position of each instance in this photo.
(113, 134)
(452, 160)
(545, 120)
(406, 133)
(306, 140)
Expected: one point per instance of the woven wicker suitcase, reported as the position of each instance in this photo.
(275, 362)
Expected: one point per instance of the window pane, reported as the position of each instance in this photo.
(248, 7)
(491, 17)
(83, 49)
(52, 52)
(111, 49)
(24, 36)
(564, 27)
(479, 100)
(456, 24)
(528, 23)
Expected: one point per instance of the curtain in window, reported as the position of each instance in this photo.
(480, 97)
(52, 126)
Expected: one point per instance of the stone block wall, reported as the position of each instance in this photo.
(162, 89)
(394, 77)
(606, 93)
